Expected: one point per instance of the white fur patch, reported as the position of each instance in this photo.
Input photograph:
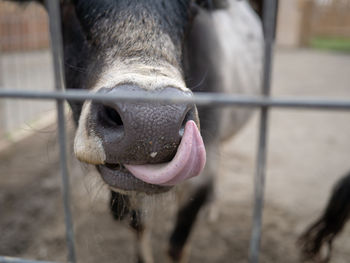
(240, 38)
(148, 77)
(241, 42)
(87, 148)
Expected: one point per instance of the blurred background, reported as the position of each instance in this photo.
(308, 151)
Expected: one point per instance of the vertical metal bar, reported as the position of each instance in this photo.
(57, 53)
(2, 111)
(269, 23)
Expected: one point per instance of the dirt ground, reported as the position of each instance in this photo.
(308, 152)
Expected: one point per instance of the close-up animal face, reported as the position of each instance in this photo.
(156, 48)
(138, 64)
(138, 47)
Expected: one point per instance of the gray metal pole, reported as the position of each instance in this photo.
(213, 99)
(20, 260)
(269, 20)
(57, 54)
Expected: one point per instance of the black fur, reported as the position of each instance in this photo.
(257, 6)
(185, 220)
(120, 208)
(109, 20)
(329, 225)
(119, 205)
(76, 50)
(136, 222)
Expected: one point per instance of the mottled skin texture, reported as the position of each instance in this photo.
(172, 40)
(152, 127)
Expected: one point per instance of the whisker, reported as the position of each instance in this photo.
(201, 81)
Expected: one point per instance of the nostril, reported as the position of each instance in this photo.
(107, 122)
(112, 117)
(190, 115)
(109, 117)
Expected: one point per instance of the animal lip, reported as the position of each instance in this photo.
(119, 178)
(188, 162)
(116, 167)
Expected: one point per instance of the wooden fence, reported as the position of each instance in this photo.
(324, 18)
(25, 63)
(23, 27)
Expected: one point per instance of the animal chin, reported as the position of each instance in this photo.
(121, 180)
(188, 162)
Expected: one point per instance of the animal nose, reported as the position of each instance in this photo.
(141, 132)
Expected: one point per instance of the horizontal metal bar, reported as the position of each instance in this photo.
(216, 99)
(19, 260)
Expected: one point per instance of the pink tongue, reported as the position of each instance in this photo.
(188, 162)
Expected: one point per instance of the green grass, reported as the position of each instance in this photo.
(337, 44)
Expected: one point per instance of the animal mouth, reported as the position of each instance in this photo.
(117, 177)
(188, 162)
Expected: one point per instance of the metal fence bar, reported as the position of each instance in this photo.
(214, 99)
(57, 55)
(19, 260)
(269, 23)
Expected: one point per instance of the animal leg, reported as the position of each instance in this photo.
(120, 207)
(329, 225)
(143, 234)
(185, 220)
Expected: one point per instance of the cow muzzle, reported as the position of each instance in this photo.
(139, 145)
